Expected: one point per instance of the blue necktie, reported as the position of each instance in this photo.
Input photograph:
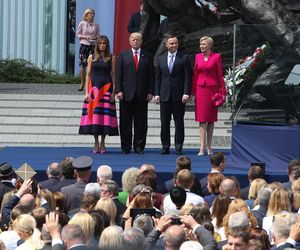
(171, 63)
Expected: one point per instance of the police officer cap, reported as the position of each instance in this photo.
(82, 163)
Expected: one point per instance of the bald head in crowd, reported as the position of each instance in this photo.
(54, 170)
(228, 187)
(104, 173)
(27, 201)
(174, 237)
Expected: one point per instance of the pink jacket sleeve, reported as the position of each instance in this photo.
(195, 76)
(220, 76)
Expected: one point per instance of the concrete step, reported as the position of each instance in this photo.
(53, 120)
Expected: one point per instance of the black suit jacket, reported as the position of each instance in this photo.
(120, 210)
(172, 86)
(132, 82)
(134, 22)
(62, 247)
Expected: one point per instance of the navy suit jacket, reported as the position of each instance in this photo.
(172, 86)
(132, 82)
(52, 184)
(134, 22)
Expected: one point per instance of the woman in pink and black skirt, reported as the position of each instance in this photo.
(99, 109)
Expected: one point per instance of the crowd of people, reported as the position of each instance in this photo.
(136, 79)
(69, 211)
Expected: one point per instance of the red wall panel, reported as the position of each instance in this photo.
(123, 12)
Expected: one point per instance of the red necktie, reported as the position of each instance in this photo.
(136, 60)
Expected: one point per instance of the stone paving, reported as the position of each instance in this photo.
(48, 115)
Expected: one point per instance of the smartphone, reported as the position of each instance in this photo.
(175, 221)
(135, 211)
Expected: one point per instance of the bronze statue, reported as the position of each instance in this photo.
(274, 21)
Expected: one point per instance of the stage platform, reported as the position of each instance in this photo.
(39, 158)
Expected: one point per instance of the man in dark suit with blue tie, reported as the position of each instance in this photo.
(134, 89)
(173, 75)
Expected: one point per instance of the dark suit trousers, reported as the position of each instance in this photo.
(177, 108)
(135, 111)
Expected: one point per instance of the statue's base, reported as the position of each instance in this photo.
(274, 145)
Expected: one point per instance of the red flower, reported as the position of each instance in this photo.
(259, 51)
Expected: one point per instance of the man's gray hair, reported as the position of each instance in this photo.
(104, 172)
(144, 222)
(112, 186)
(191, 245)
(74, 233)
(281, 227)
(92, 188)
(238, 220)
(133, 238)
(263, 196)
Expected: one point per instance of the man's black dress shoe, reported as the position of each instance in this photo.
(139, 151)
(125, 151)
(165, 151)
(178, 152)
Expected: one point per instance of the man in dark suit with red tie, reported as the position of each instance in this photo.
(134, 89)
(173, 75)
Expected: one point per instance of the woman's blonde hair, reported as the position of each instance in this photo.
(109, 208)
(279, 201)
(186, 209)
(238, 205)
(255, 186)
(111, 238)
(25, 223)
(87, 11)
(86, 222)
(48, 196)
(209, 40)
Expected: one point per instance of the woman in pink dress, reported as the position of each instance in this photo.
(207, 81)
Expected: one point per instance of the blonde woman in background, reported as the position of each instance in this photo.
(109, 207)
(87, 32)
(110, 238)
(26, 227)
(279, 204)
(87, 224)
(236, 206)
(254, 188)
